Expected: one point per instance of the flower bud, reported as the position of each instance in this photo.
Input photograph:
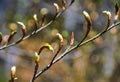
(108, 14)
(48, 46)
(87, 17)
(13, 71)
(56, 7)
(37, 58)
(24, 30)
(60, 38)
(35, 18)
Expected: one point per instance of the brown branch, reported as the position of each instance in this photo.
(12, 73)
(35, 72)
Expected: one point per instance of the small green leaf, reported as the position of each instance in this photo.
(37, 58)
(48, 46)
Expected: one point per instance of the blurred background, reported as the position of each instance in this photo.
(97, 61)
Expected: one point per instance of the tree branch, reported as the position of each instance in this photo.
(75, 47)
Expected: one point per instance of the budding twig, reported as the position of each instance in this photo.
(109, 18)
(37, 59)
(75, 47)
(13, 72)
(89, 23)
(36, 21)
(60, 38)
(56, 8)
(59, 48)
(82, 42)
(24, 30)
(43, 12)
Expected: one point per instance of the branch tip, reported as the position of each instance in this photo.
(24, 30)
(35, 18)
(108, 14)
(37, 58)
(48, 46)
(56, 7)
(109, 18)
(13, 71)
(60, 38)
(87, 17)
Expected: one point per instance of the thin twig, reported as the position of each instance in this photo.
(55, 55)
(35, 72)
(37, 60)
